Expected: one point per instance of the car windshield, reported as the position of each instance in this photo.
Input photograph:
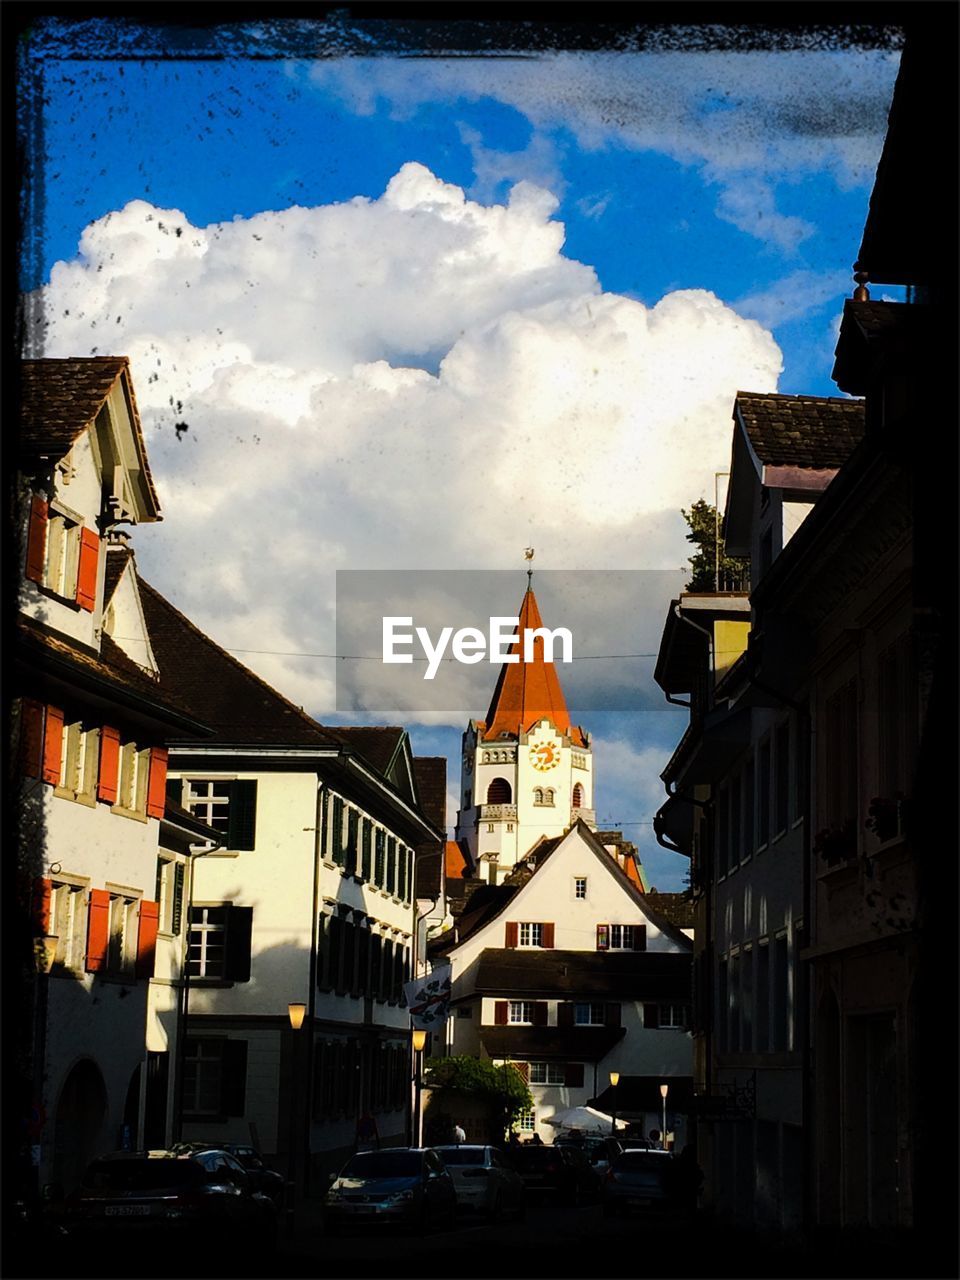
(383, 1164)
(462, 1155)
(140, 1175)
(632, 1161)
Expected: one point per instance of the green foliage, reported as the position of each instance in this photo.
(702, 522)
(503, 1085)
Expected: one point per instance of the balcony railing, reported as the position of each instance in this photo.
(497, 812)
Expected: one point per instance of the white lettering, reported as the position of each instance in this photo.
(500, 638)
(434, 655)
(469, 645)
(391, 639)
(546, 635)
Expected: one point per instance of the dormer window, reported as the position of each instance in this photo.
(62, 555)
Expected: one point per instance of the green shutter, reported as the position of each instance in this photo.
(365, 849)
(176, 916)
(352, 823)
(336, 834)
(242, 824)
(401, 872)
(378, 861)
(391, 864)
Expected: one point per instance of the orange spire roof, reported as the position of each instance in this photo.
(528, 692)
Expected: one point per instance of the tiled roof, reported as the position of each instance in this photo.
(454, 861)
(377, 744)
(584, 1044)
(59, 399)
(676, 907)
(818, 432)
(238, 706)
(112, 665)
(528, 692)
(638, 975)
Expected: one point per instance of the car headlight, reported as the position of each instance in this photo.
(333, 1194)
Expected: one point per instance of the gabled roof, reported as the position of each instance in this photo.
(378, 745)
(455, 861)
(239, 707)
(60, 399)
(528, 692)
(640, 975)
(817, 432)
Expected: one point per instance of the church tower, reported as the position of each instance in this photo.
(527, 772)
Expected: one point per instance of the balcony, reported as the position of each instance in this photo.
(498, 812)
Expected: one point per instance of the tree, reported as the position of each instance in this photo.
(733, 570)
(503, 1087)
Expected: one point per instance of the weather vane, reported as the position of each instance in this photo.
(528, 556)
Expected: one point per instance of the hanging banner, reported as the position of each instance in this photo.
(428, 999)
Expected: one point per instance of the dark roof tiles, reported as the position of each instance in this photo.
(816, 432)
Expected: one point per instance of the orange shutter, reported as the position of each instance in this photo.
(109, 773)
(42, 888)
(52, 745)
(500, 1013)
(511, 934)
(37, 540)
(87, 570)
(157, 786)
(147, 938)
(31, 737)
(547, 935)
(98, 930)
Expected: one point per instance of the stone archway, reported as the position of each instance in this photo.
(79, 1130)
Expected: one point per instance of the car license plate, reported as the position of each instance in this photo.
(128, 1210)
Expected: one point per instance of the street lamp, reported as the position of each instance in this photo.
(419, 1041)
(296, 1012)
(664, 1089)
(614, 1081)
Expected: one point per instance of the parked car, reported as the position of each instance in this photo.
(409, 1186)
(563, 1172)
(485, 1180)
(597, 1150)
(262, 1177)
(199, 1196)
(638, 1180)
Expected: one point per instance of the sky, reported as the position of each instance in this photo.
(406, 313)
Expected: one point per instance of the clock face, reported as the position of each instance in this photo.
(544, 755)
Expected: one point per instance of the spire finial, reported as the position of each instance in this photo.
(528, 554)
(861, 293)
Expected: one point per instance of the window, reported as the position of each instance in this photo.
(68, 924)
(578, 796)
(336, 831)
(169, 894)
(490, 827)
(746, 1000)
(621, 937)
(79, 755)
(520, 1011)
(390, 885)
(401, 872)
(588, 1015)
(580, 888)
(219, 942)
(134, 775)
(763, 795)
(61, 571)
(547, 1073)
(122, 936)
(674, 1016)
(544, 795)
(531, 935)
(499, 792)
(227, 805)
(781, 793)
(734, 979)
(214, 1077)
(527, 1121)
(781, 994)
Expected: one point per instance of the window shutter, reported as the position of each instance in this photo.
(573, 1075)
(603, 937)
(242, 824)
(109, 774)
(52, 745)
(157, 786)
(37, 540)
(523, 1070)
(87, 570)
(565, 1013)
(511, 934)
(639, 937)
(176, 915)
(547, 935)
(540, 1013)
(500, 1013)
(40, 910)
(147, 938)
(234, 1078)
(239, 930)
(31, 737)
(98, 930)
(651, 1016)
(611, 1016)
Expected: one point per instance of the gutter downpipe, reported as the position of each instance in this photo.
(312, 992)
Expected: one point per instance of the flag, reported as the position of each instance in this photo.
(428, 999)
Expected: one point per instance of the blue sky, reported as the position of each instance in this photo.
(420, 313)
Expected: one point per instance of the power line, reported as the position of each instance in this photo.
(371, 657)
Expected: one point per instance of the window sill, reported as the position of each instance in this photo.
(66, 601)
(78, 797)
(128, 813)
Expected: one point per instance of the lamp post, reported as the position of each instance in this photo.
(664, 1089)
(419, 1040)
(296, 1011)
(614, 1081)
